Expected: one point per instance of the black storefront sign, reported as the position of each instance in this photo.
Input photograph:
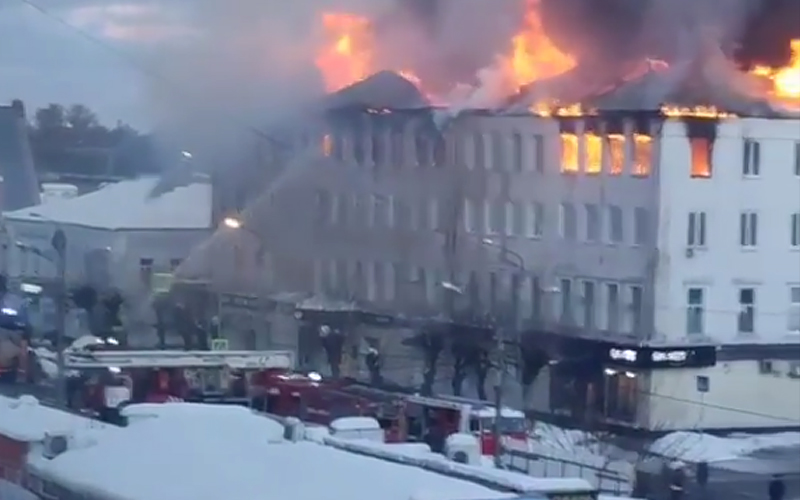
(650, 357)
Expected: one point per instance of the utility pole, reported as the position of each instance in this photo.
(59, 243)
(499, 333)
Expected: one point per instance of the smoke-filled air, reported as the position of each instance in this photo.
(252, 62)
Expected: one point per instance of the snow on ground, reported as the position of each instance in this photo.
(184, 451)
(697, 447)
(25, 419)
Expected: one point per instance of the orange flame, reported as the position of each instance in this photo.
(697, 112)
(786, 80)
(534, 56)
(348, 55)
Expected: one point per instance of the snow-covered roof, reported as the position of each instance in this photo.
(183, 451)
(25, 419)
(128, 205)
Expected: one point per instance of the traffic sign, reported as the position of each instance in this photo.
(219, 344)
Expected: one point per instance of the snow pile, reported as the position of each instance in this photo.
(185, 451)
(24, 419)
(697, 447)
(425, 459)
(357, 428)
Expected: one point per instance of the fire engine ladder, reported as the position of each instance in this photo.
(244, 360)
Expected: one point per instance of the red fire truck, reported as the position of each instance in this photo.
(108, 379)
(403, 415)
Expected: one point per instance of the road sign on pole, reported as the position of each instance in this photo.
(219, 344)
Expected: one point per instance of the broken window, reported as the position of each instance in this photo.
(701, 157)
(569, 153)
(616, 154)
(594, 154)
(642, 155)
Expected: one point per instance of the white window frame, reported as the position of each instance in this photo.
(794, 236)
(469, 216)
(746, 317)
(611, 238)
(608, 324)
(748, 229)
(696, 229)
(596, 210)
(793, 319)
(751, 159)
(562, 221)
(433, 214)
(689, 307)
(534, 220)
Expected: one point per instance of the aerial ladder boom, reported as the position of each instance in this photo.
(243, 360)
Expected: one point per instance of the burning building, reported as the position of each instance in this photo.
(625, 222)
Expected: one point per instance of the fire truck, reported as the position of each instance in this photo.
(107, 380)
(403, 414)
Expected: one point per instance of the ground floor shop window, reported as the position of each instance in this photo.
(621, 395)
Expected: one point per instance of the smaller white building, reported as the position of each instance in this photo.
(119, 235)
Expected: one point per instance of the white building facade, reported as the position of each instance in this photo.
(117, 237)
(729, 273)
(620, 222)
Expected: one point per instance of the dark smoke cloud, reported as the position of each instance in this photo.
(610, 30)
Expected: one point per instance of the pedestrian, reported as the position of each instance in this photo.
(777, 490)
(677, 481)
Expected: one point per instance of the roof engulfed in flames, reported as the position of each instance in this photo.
(534, 71)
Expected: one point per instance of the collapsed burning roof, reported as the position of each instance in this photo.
(535, 76)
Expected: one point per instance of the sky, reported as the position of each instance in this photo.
(84, 51)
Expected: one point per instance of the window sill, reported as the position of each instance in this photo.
(747, 177)
(749, 249)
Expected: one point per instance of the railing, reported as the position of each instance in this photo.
(539, 465)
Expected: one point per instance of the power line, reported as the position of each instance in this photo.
(145, 69)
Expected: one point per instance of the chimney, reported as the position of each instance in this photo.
(18, 107)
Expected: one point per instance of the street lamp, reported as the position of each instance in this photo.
(59, 244)
(232, 223)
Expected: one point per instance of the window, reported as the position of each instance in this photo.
(795, 230)
(642, 155)
(498, 152)
(359, 211)
(567, 222)
(434, 215)
(701, 158)
(594, 154)
(695, 311)
(458, 150)
(515, 223)
(422, 148)
(588, 304)
(469, 216)
(517, 153)
(390, 281)
(535, 220)
(616, 153)
(146, 271)
(396, 146)
(391, 210)
(696, 235)
(794, 308)
(339, 210)
(592, 222)
(641, 226)
(338, 145)
(323, 206)
(378, 148)
(538, 153)
(747, 310)
(439, 153)
(569, 153)
(494, 215)
(797, 159)
(612, 307)
(479, 160)
(748, 229)
(536, 298)
(565, 289)
(634, 309)
(615, 224)
(751, 158)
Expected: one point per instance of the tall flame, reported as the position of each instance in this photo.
(348, 54)
(786, 80)
(534, 56)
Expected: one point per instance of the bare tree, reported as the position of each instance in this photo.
(431, 341)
